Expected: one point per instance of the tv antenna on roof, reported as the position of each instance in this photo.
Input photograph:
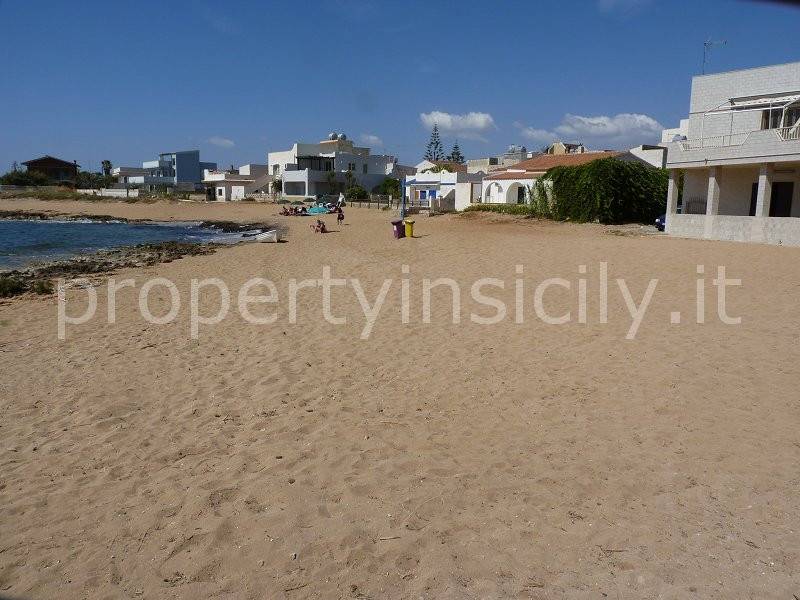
(707, 46)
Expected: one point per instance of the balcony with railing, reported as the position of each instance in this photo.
(789, 134)
(764, 145)
(716, 141)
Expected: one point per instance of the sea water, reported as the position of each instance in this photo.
(23, 243)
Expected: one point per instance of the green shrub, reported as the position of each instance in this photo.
(356, 192)
(42, 286)
(25, 178)
(11, 286)
(94, 181)
(388, 187)
(506, 209)
(609, 190)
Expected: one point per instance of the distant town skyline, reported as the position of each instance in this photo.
(91, 81)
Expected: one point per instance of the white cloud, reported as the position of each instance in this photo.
(372, 140)
(469, 126)
(221, 142)
(540, 136)
(624, 128)
(620, 131)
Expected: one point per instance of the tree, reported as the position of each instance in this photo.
(93, 181)
(349, 179)
(455, 154)
(388, 187)
(356, 192)
(107, 168)
(434, 150)
(25, 178)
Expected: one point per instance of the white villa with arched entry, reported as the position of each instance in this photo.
(512, 185)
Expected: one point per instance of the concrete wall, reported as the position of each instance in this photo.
(767, 230)
(682, 131)
(111, 193)
(709, 91)
(655, 157)
(478, 165)
(254, 170)
(467, 193)
(376, 164)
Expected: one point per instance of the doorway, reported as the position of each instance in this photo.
(781, 203)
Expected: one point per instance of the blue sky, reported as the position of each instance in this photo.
(124, 81)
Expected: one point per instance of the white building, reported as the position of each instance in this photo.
(740, 159)
(225, 186)
(443, 185)
(310, 169)
(512, 185)
(655, 156)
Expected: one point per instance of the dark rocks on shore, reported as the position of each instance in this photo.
(37, 278)
(234, 227)
(25, 215)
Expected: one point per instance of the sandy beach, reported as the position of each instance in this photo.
(429, 460)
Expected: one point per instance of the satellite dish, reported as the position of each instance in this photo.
(342, 137)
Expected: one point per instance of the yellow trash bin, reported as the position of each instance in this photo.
(409, 228)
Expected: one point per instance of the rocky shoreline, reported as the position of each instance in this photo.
(38, 278)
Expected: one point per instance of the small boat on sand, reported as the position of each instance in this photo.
(268, 236)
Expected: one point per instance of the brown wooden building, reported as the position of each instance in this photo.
(54, 168)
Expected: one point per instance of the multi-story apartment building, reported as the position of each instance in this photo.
(173, 170)
(738, 156)
(321, 168)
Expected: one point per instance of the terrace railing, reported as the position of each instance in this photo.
(716, 141)
(789, 134)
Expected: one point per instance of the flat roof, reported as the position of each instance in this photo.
(794, 62)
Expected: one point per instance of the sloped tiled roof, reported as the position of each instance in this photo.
(47, 157)
(545, 162)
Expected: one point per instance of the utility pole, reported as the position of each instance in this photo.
(707, 46)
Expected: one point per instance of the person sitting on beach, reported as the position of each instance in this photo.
(319, 227)
(303, 211)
